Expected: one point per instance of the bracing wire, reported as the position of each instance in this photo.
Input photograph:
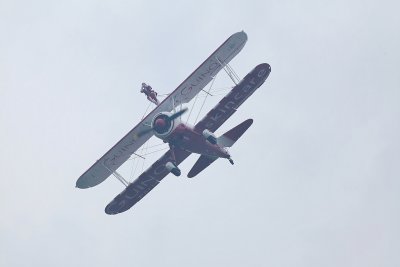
(144, 150)
(198, 114)
(138, 161)
(152, 146)
(219, 94)
(133, 165)
(155, 151)
(148, 153)
(190, 113)
(136, 166)
(221, 89)
(148, 106)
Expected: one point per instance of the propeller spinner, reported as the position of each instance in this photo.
(162, 123)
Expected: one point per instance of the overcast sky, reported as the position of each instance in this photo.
(316, 179)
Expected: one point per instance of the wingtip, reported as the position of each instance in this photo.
(110, 211)
(244, 34)
(241, 35)
(107, 210)
(80, 185)
(269, 67)
(248, 122)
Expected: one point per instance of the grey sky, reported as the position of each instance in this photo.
(316, 179)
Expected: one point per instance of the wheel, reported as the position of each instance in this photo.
(176, 171)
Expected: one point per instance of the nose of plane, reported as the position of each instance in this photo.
(160, 123)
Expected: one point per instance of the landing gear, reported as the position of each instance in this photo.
(172, 168)
(231, 161)
(171, 165)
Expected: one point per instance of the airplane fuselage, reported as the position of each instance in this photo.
(186, 138)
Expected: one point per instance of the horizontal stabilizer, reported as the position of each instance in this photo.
(202, 163)
(230, 137)
(226, 140)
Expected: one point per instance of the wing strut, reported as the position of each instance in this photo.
(229, 70)
(118, 176)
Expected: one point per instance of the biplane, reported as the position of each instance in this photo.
(183, 139)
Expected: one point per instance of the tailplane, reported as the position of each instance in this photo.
(230, 137)
(225, 140)
(202, 163)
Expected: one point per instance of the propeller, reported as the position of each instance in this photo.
(161, 122)
(177, 114)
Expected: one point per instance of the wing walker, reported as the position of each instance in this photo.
(183, 139)
(150, 93)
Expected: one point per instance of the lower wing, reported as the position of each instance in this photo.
(144, 183)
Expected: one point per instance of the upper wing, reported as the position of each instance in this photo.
(190, 87)
(185, 92)
(230, 103)
(144, 183)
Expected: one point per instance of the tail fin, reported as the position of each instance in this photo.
(230, 137)
(226, 140)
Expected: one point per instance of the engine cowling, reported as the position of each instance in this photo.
(210, 137)
(161, 125)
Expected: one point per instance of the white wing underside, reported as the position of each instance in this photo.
(185, 92)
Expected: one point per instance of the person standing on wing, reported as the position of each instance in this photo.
(150, 93)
